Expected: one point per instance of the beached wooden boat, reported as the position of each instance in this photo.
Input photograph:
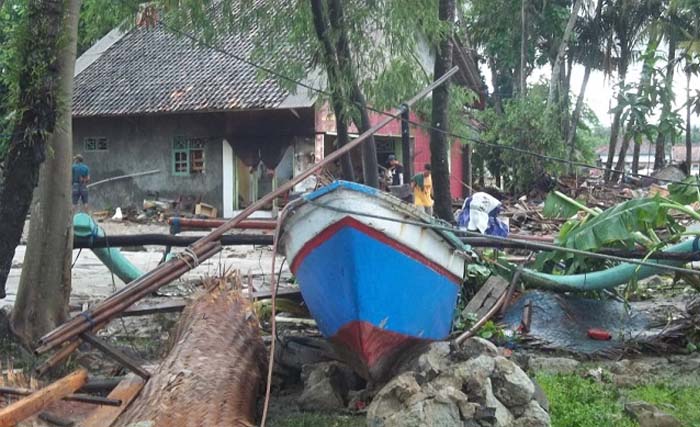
(375, 280)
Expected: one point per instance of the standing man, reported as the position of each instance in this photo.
(81, 177)
(422, 185)
(396, 170)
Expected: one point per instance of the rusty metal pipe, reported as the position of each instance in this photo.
(196, 223)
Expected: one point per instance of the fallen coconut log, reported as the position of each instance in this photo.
(214, 372)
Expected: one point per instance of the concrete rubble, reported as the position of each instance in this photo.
(468, 389)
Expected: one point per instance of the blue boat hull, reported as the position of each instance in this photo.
(372, 296)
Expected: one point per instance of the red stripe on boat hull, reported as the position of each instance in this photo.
(378, 235)
(370, 350)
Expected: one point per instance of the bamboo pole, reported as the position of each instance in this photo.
(39, 400)
(155, 279)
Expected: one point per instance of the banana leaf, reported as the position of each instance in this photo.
(685, 193)
(556, 206)
(617, 226)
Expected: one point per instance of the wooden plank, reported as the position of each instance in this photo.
(84, 398)
(174, 306)
(39, 400)
(116, 355)
(492, 289)
(126, 391)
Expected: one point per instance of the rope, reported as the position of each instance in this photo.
(189, 253)
(273, 324)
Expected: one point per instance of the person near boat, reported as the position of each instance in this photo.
(422, 185)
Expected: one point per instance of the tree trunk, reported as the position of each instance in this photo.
(439, 143)
(644, 81)
(38, 44)
(337, 94)
(468, 169)
(571, 137)
(614, 132)
(660, 154)
(688, 142)
(635, 158)
(497, 104)
(622, 157)
(523, 48)
(571, 134)
(562, 96)
(553, 82)
(45, 284)
(369, 149)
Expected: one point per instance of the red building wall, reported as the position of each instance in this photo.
(325, 122)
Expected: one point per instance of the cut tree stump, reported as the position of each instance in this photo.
(39, 400)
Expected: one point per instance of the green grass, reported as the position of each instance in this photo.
(681, 402)
(580, 402)
(319, 420)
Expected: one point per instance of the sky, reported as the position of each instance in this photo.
(600, 92)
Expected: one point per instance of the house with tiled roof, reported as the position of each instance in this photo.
(147, 99)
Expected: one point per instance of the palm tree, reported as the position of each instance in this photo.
(626, 21)
(671, 24)
(585, 50)
(689, 14)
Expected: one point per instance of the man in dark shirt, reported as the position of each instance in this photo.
(396, 170)
(81, 177)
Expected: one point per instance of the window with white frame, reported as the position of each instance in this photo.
(188, 155)
(92, 144)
